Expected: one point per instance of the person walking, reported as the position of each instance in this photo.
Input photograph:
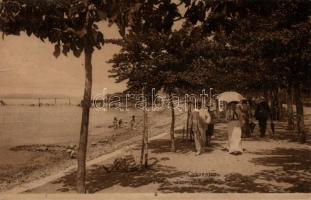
(210, 126)
(262, 114)
(115, 123)
(234, 130)
(198, 123)
(132, 122)
(245, 112)
(120, 123)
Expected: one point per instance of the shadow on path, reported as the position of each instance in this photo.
(286, 170)
(99, 179)
(292, 167)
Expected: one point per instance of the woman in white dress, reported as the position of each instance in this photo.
(234, 130)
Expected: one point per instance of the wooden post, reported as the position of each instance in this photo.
(146, 124)
(144, 146)
(172, 131)
(290, 112)
(217, 109)
(142, 152)
(188, 121)
(300, 114)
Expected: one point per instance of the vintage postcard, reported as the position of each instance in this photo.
(142, 99)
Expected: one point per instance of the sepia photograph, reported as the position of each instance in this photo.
(141, 99)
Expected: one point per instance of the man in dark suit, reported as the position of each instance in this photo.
(262, 114)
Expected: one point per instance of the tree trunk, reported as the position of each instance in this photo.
(188, 121)
(144, 146)
(267, 95)
(81, 172)
(276, 107)
(300, 114)
(146, 137)
(172, 131)
(142, 153)
(290, 112)
(281, 101)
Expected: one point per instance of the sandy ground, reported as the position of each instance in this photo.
(275, 164)
(36, 161)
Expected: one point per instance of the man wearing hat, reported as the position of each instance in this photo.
(262, 114)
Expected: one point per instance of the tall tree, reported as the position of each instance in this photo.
(272, 37)
(71, 26)
(160, 60)
(287, 47)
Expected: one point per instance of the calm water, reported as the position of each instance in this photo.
(50, 124)
(60, 124)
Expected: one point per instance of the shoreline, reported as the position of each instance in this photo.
(48, 162)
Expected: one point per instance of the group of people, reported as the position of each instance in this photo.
(240, 124)
(119, 123)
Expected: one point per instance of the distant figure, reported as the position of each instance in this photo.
(115, 123)
(245, 115)
(71, 149)
(132, 122)
(120, 123)
(229, 112)
(262, 114)
(210, 126)
(234, 130)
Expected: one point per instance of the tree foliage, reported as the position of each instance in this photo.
(266, 44)
(64, 23)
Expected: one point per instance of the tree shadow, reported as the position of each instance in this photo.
(99, 179)
(232, 183)
(290, 172)
(168, 180)
(282, 133)
(162, 146)
(286, 170)
(266, 181)
(292, 167)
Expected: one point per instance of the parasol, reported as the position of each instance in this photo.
(230, 96)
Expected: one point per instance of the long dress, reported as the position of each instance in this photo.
(234, 137)
(235, 132)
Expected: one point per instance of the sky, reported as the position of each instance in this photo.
(28, 67)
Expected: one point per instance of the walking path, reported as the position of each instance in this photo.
(267, 165)
(38, 183)
(274, 164)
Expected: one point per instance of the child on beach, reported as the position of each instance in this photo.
(132, 122)
(115, 123)
(120, 123)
